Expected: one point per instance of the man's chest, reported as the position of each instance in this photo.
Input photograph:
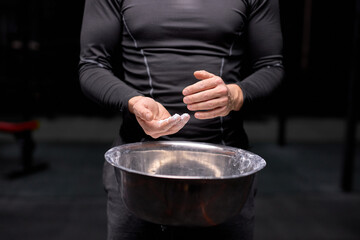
(211, 21)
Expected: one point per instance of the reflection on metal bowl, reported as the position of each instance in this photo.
(184, 183)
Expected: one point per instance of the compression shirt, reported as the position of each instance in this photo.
(162, 42)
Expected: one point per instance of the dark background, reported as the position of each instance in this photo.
(45, 81)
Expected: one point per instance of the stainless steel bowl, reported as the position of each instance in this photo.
(184, 183)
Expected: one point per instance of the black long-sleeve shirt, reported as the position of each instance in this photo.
(161, 43)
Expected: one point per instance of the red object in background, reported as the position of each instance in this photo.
(23, 134)
(19, 127)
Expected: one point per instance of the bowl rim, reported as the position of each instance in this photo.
(200, 145)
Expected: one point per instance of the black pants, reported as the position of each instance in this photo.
(125, 226)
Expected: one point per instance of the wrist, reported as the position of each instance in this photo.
(132, 101)
(237, 96)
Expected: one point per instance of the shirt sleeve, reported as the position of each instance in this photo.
(265, 50)
(100, 40)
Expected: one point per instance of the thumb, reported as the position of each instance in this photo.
(144, 112)
(202, 74)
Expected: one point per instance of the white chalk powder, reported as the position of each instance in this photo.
(175, 117)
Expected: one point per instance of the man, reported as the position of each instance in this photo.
(185, 57)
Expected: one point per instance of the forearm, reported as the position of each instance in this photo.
(262, 82)
(103, 87)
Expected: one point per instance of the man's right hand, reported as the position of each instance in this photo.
(149, 114)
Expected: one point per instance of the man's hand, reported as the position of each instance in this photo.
(154, 119)
(211, 97)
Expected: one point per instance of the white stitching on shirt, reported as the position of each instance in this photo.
(222, 66)
(144, 56)
(148, 72)
(127, 29)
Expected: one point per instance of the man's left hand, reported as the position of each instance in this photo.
(211, 97)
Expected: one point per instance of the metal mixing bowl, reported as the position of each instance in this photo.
(183, 183)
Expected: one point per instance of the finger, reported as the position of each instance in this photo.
(202, 74)
(177, 127)
(206, 95)
(202, 85)
(167, 123)
(208, 105)
(154, 129)
(218, 112)
(179, 123)
(166, 126)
